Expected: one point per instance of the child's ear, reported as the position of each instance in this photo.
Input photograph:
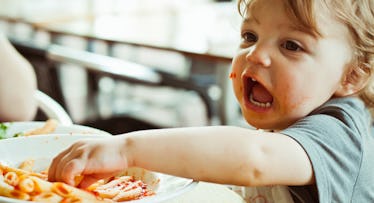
(354, 80)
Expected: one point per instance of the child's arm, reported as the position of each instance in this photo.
(229, 155)
(17, 85)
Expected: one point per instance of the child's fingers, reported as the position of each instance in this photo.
(70, 170)
(56, 164)
(53, 167)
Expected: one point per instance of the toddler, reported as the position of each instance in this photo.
(303, 73)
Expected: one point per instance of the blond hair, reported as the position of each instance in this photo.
(357, 16)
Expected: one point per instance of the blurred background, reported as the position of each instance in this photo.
(123, 65)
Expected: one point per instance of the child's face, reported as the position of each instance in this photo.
(280, 74)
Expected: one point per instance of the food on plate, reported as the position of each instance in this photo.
(24, 184)
(3, 130)
(48, 127)
(121, 188)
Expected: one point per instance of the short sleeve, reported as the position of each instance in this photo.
(331, 136)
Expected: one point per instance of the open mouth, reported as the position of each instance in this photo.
(257, 94)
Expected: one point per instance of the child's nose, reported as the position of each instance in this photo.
(259, 54)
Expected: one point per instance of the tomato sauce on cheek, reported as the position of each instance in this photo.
(236, 84)
(232, 75)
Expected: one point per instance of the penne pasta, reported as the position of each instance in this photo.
(113, 188)
(47, 197)
(9, 191)
(77, 180)
(65, 190)
(130, 194)
(123, 189)
(5, 187)
(95, 185)
(72, 200)
(27, 165)
(11, 178)
(116, 183)
(61, 189)
(27, 185)
(20, 172)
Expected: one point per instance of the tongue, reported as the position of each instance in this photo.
(260, 94)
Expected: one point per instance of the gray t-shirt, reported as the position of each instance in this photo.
(339, 141)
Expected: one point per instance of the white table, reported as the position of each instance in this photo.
(208, 193)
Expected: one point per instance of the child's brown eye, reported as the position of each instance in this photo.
(292, 46)
(249, 37)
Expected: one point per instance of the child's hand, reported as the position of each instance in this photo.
(91, 159)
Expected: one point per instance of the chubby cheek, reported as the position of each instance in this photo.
(296, 103)
(238, 65)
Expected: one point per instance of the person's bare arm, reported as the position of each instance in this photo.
(223, 154)
(17, 85)
(229, 155)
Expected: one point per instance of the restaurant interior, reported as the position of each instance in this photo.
(124, 65)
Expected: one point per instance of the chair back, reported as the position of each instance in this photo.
(52, 109)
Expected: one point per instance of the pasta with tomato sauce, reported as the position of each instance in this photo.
(31, 186)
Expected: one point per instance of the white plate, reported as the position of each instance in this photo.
(42, 148)
(17, 127)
